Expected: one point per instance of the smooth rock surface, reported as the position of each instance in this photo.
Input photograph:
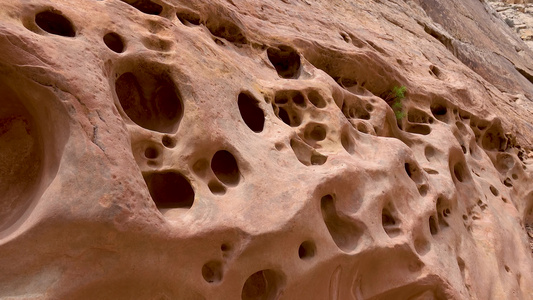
(257, 150)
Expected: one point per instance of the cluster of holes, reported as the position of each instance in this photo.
(285, 60)
(222, 171)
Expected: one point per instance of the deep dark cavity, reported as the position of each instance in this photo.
(153, 102)
(54, 22)
(252, 115)
(146, 6)
(225, 167)
(170, 190)
(285, 60)
(439, 112)
(459, 172)
(307, 250)
(114, 42)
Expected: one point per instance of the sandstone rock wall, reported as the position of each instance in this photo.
(263, 150)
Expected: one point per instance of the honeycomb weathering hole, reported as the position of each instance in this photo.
(151, 101)
(145, 6)
(212, 271)
(262, 285)
(345, 234)
(114, 42)
(285, 60)
(21, 159)
(225, 167)
(54, 22)
(307, 250)
(170, 190)
(251, 114)
(316, 99)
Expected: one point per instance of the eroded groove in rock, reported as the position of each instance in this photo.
(344, 232)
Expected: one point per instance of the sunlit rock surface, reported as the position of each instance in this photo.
(293, 149)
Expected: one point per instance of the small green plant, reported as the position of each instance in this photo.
(396, 96)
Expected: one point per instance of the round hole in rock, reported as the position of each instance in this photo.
(54, 22)
(494, 191)
(315, 99)
(307, 250)
(423, 190)
(439, 112)
(151, 100)
(225, 167)
(507, 182)
(446, 212)
(212, 271)
(299, 99)
(262, 285)
(151, 153)
(318, 159)
(170, 190)
(216, 188)
(168, 141)
(225, 247)
(316, 132)
(285, 60)
(515, 177)
(114, 42)
(251, 113)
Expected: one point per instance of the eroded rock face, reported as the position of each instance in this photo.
(262, 150)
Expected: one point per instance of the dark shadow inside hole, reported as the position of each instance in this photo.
(212, 271)
(307, 250)
(315, 99)
(262, 285)
(433, 227)
(145, 6)
(225, 167)
(114, 42)
(170, 190)
(54, 22)
(285, 60)
(252, 115)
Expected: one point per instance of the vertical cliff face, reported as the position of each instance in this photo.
(290, 149)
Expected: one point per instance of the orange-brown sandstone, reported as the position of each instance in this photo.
(236, 149)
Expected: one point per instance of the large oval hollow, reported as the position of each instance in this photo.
(225, 167)
(54, 22)
(251, 113)
(152, 101)
(170, 190)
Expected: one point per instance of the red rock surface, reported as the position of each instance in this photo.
(256, 150)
